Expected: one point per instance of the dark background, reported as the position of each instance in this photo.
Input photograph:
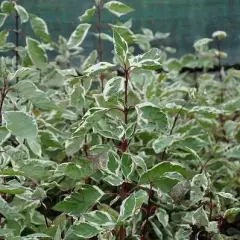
(186, 20)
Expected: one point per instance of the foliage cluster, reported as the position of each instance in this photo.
(133, 149)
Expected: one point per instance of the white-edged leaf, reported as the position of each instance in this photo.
(3, 37)
(3, 17)
(161, 143)
(117, 8)
(113, 86)
(22, 72)
(78, 35)
(90, 60)
(35, 146)
(77, 97)
(23, 14)
(227, 195)
(98, 68)
(40, 28)
(20, 124)
(39, 98)
(120, 47)
(36, 53)
(127, 208)
(88, 14)
(85, 230)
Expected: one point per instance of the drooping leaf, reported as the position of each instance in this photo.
(78, 202)
(3, 37)
(29, 90)
(3, 17)
(23, 14)
(117, 8)
(20, 124)
(36, 53)
(78, 35)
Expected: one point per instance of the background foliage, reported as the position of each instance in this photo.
(139, 147)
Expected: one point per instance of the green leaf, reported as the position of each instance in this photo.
(113, 87)
(38, 169)
(201, 44)
(20, 124)
(22, 73)
(125, 33)
(117, 8)
(100, 218)
(79, 202)
(78, 35)
(77, 98)
(120, 47)
(88, 14)
(79, 171)
(227, 196)
(157, 231)
(40, 28)
(161, 143)
(200, 217)
(23, 14)
(162, 217)
(4, 134)
(85, 230)
(9, 212)
(36, 53)
(183, 232)
(98, 68)
(35, 146)
(127, 165)
(127, 208)
(231, 214)
(38, 98)
(199, 185)
(73, 145)
(3, 37)
(152, 118)
(160, 169)
(3, 17)
(7, 7)
(11, 189)
(90, 60)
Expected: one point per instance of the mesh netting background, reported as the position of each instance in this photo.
(186, 20)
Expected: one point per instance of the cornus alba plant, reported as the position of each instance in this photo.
(151, 154)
